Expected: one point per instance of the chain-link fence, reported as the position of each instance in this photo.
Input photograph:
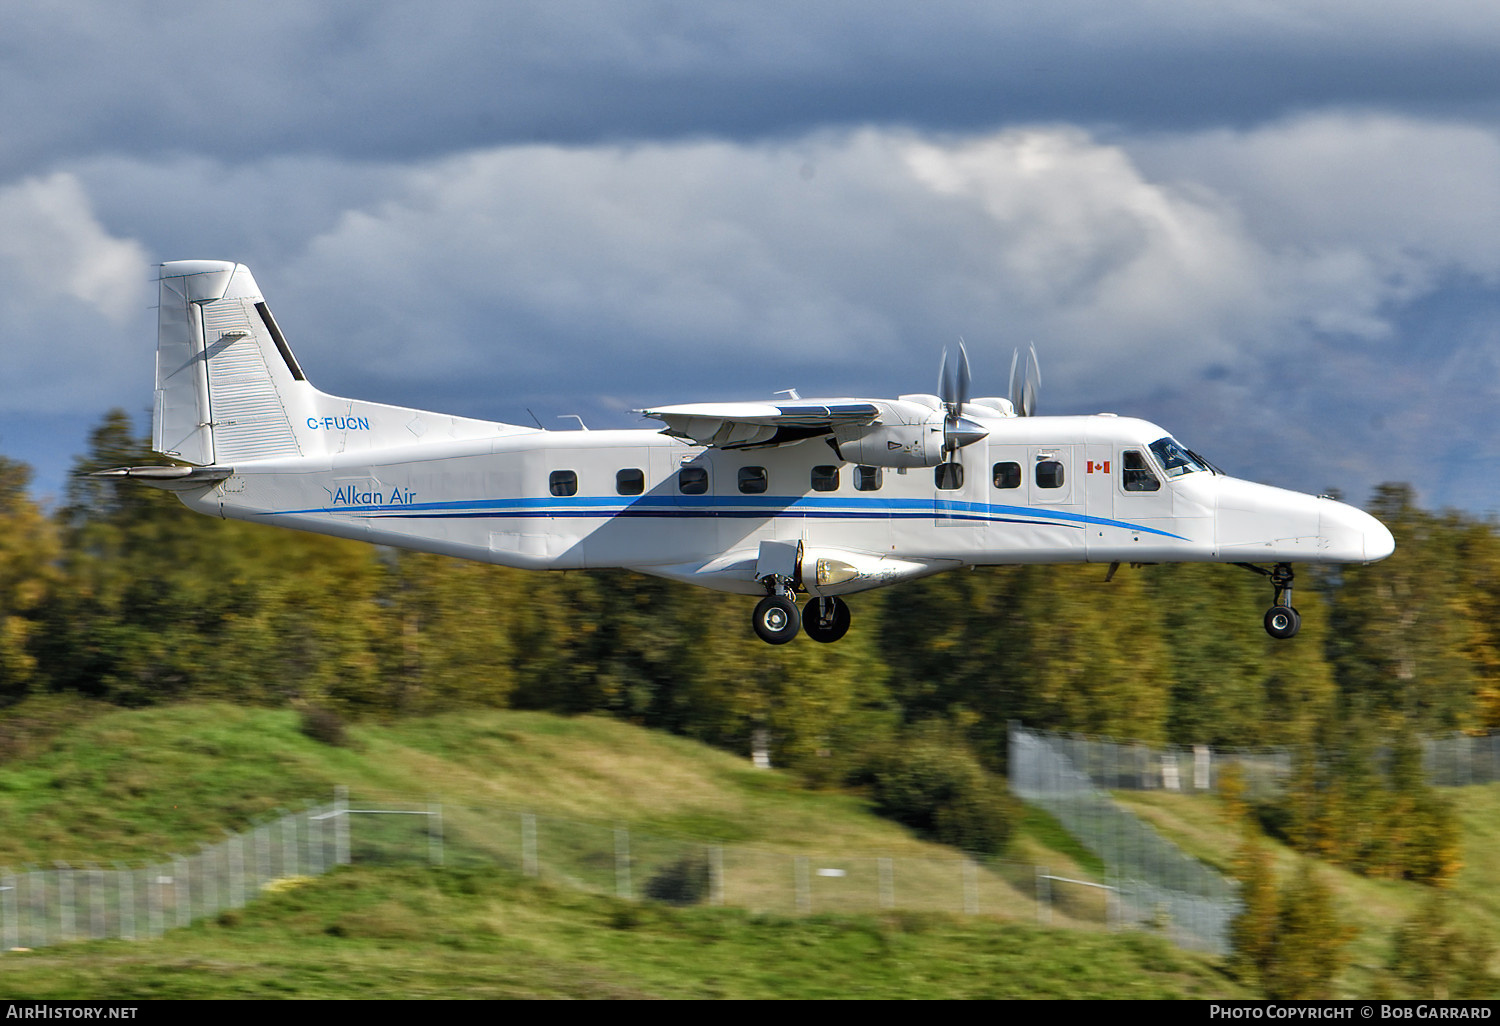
(41, 907)
(1152, 882)
(1458, 760)
(1454, 760)
(639, 865)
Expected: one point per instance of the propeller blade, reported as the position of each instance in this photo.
(958, 430)
(947, 386)
(1025, 382)
(1015, 388)
(1033, 380)
(963, 378)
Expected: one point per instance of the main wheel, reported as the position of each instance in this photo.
(825, 629)
(1282, 622)
(776, 619)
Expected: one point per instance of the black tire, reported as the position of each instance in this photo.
(776, 619)
(1282, 622)
(837, 626)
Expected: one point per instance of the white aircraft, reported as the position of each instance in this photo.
(822, 497)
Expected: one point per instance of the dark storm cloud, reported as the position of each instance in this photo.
(397, 80)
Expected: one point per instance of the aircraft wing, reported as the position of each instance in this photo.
(755, 425)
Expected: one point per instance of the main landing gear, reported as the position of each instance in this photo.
(826, 619)
(1282, 621)
(777, 621)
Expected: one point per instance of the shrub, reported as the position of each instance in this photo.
(684, 882)
(931, 781)
(324, 725)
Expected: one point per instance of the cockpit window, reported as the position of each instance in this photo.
(1176, 460)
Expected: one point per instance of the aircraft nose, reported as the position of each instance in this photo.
(1352, 534)
(1379, 542)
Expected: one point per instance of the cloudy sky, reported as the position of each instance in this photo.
(1272, 227)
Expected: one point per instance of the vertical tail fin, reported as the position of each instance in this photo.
(227, 385)
(229, 390)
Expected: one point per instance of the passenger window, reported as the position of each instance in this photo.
(630, 482)
(1007, 475)
(563, 482)
(692, 480)
(825, 479)
(949, 476)
(753, 480)
(1049, 474)
(1137, 474)
(867, 479)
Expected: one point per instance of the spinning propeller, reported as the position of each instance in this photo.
(953, 389)
(1024, 382)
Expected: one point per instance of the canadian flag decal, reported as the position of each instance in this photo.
(1099, 467)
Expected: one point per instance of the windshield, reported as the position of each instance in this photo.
(1176, 460)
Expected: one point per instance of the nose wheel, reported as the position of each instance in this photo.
(1281, 621)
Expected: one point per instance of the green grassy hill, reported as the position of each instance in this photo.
(91, 784)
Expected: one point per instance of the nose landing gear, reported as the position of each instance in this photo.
(1282, 621)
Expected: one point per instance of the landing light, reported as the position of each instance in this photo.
(834, 571)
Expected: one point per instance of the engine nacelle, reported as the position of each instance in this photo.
(893, 445)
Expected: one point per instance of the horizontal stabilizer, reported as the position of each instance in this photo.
(173, 479)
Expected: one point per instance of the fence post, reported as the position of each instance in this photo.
(622, 862)
(98, 908)
(126, 881)
(435, 833)
(716, 876)
(289, 844)
(153, 901)
(65, 908)
(9, 904)
(341, 825)
(182, 890)
(528, 845)
(262, 856)
(237, 871)
(314, 844)
(208, 893)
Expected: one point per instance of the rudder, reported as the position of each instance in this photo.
(227, 385)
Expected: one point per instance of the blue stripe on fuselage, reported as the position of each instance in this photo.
(707, 506)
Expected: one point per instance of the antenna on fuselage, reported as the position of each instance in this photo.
(533, 417)
(573, 416)
(790, 393)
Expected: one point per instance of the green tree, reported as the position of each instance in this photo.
(1403, 631)
(1436, 959)
(1309, 949)
(28, 548)
(159, 603)
(1231, 685)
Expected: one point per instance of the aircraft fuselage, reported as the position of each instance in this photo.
(1036, 490)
